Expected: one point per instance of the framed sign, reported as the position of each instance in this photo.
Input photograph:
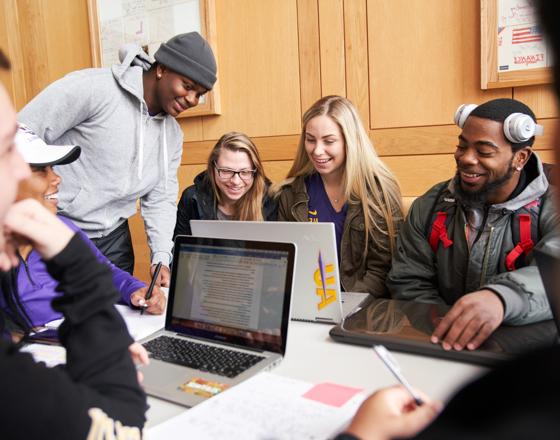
(149, 23)
(513, 50)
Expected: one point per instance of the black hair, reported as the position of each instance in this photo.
(15, 311)
(499, 109)
(549, 12)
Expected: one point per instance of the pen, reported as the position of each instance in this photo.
(391, 363)
(322, 272)
(152, 285)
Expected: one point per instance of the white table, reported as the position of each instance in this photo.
(314, 357)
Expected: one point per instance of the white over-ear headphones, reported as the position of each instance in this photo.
(518, 127)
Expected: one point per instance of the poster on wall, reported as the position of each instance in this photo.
(513, 50)
(520, 40)
(145, 22)
(149, 23)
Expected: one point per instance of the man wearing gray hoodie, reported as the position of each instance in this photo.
(468, 242)
(123, 118)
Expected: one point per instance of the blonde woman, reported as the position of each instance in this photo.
(338, 177)
(233, 187)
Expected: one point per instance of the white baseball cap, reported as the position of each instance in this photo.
(37, 153)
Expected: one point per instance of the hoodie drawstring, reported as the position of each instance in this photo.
(140, 145)
(165, 159)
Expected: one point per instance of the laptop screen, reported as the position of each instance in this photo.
(232, 291)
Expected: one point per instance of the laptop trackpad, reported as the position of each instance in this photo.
(180, 384)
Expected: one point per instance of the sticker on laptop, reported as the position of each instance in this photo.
(202, 387)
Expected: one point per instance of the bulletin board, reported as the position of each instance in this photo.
(513, 49)
(150, 23)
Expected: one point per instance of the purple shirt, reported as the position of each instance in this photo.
(321, 210)
(37, 289)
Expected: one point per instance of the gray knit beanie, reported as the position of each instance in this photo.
(191, 56)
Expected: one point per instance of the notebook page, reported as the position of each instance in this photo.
(267, 406)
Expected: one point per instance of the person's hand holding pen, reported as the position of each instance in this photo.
(147, 301)
(394, 412)
(163, 278)
(154, 305)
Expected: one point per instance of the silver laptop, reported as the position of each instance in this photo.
(317, 293)
(227, 317)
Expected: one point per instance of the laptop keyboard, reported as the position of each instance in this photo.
(202, 357)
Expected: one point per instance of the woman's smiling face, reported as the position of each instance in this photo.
(42, 186)
(325, 145)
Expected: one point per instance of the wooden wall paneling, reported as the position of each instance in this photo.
(309, 48)
(356, 51)
(192, 128)
(270, 148)
(10, 42)
(417, 174)
(186, 175)
(541, 99)
(424, 61)
(277, 170)
(331, 35)
(547, 156)
(33, 33)
(141, 249)
(67, 40)
(439, 139)
(415, 140)
(258, 69)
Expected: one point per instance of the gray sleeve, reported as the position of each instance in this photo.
(61, 106)
(413, 275)
(522, 290)
(159, 209)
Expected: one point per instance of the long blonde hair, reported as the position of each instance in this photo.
(250, 206)
(367, 180)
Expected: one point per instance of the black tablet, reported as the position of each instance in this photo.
(407, 326)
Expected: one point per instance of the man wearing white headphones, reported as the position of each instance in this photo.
(468, 242)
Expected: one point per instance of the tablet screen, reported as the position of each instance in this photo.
(408, 325)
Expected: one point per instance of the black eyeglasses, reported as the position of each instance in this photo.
(228, 173)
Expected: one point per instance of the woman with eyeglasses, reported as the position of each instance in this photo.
(233, 187)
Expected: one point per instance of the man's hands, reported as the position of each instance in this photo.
(471, 320)
(391, 413)
(155, 305)
(164, 276)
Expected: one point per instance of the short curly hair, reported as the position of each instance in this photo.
(499, 109)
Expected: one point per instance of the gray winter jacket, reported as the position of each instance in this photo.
(444, 276)
(127, 154)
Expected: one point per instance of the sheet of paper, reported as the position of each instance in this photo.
(267, 406)
(51, 355)
(140, 326)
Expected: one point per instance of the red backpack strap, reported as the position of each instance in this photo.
(439, 232)
(525, 244)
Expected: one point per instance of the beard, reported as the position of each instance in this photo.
(478, 198)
